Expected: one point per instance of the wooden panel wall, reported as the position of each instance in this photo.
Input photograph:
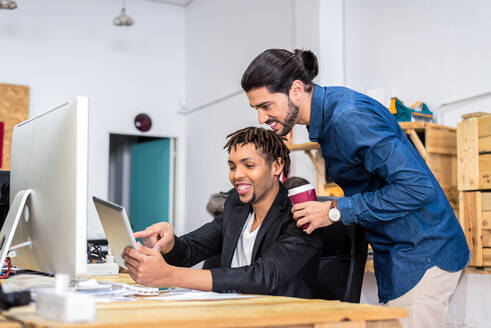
(14, 108)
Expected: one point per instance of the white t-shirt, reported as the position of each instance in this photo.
(245, 244)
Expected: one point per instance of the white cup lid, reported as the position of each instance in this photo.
(300, 189)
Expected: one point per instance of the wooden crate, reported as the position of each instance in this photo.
(475, 218)
(474, 153)
(437, 145)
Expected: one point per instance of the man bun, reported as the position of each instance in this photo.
(309, 61)
(276, 69)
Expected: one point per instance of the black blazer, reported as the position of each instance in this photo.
(285, 260)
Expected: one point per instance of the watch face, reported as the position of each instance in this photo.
(334, 214)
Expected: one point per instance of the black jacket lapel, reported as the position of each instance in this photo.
(238, 214)
(280, 203)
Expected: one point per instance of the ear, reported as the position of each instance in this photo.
(296, 90)
(277, 166)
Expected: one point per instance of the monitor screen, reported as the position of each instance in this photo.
(49, 157)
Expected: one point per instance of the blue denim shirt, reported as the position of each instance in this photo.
(389, 190)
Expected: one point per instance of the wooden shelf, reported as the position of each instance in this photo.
(312, 149)
(304, 146)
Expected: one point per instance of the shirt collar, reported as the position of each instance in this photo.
(316, 113)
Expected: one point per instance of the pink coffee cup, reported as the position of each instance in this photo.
(302, 194)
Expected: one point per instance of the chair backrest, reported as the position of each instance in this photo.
(4, 195)
(342, 263)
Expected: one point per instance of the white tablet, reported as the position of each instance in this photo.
(116, 227)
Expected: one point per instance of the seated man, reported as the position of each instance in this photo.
(262, 250)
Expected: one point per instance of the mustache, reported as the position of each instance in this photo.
(242, 180)
(270, 121)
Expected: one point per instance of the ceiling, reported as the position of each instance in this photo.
(182, 3)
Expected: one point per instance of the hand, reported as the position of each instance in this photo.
(315, 214)
(146, 266)
(159, 236)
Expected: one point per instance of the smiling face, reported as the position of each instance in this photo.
(254, 179)
(274, 109)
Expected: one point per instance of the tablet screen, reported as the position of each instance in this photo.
(116, 227)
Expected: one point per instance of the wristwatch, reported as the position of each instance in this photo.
(334, 213)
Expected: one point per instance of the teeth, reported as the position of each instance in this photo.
(242, 187)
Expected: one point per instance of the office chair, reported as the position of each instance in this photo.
(342, 262)
(4, 195)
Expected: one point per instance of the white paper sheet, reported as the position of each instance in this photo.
(104, 293)
(194, 295)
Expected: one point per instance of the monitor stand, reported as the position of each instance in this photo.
(7, 233)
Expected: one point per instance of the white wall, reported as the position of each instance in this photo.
(435, 51)
(62, 49)
(199, 53)
(331, 53)
(223, 36)
(68, 48)
(306, 20)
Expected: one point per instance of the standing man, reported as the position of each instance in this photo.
(419, 246)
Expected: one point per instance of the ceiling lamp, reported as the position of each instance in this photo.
(122, 19)
(8, 4)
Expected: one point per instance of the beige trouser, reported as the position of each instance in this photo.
(427, 302)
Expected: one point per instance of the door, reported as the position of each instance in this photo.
(151, 177)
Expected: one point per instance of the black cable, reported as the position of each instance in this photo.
(95, 252)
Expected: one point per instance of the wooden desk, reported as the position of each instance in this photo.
(264, 311)
(6, 323)
(267, 311)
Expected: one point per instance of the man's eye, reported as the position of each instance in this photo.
(232, 168)
(250, 166)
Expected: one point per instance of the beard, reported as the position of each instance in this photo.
(290, 119)
(253, 199)
(250, 202)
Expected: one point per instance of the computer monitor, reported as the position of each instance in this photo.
(49, 160)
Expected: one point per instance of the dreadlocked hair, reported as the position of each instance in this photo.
(270, 145)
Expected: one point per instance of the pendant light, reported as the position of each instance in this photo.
(8, 4)
(122, 19)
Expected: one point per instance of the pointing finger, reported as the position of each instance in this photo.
(145, 233)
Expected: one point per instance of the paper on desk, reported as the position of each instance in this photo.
(195, 295)
(105, 293)
(112, 298)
